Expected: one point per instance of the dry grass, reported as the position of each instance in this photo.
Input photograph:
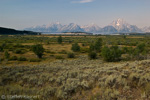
(58, 47)
(135, 37)
(51, 36)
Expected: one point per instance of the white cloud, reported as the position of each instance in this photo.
(82, 1)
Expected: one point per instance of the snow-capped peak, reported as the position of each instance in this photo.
(118, 23)
(123, 27)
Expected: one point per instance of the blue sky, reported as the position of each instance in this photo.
(20, 14)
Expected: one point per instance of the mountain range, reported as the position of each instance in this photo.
(117, 26)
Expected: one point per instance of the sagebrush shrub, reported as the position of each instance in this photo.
(22, 59)
(92, 55)
(13, 58)
(70, 55)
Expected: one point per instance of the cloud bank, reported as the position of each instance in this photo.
(82, 1)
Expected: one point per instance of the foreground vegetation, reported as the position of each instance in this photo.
(78, 79)
(75, 67)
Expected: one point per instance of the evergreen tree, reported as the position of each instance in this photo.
(38, 50)
(75, 47)
(92, 48)
(98, 45)
(7, 55)
(59, 40)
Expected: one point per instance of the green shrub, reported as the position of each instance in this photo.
(47, 51)
(13, 58)
(125, 50)
(18, 45)
(92, 47)
(59, 57)
(141, 47)
(111, 54)
(53, 52)
(1, 59)
(34, 60)
(38, 50)
(98, 45)
(3, 45)
(51, 55)
(92, 55)
(59, 40)
(22, 59)
(7, 55)
(19, 51)
(75, 47)
(138, 53)
(63, 52)
(84, 44)
(70, 55)
(1, 49)
(47, 42)
(84, 50)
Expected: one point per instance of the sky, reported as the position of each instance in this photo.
(20, 14)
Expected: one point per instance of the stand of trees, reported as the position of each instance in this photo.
(8, 31)
(96, 46)
(111, 54)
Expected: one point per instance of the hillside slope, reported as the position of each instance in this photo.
(8, 31)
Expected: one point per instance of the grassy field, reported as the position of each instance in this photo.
(53, 49)
(57, 77)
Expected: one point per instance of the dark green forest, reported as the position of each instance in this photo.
(8, 31)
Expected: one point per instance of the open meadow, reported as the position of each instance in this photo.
(90, 67)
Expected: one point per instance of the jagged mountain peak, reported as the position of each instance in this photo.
(146, 29)
(91, 28)
(123, 27)
(119, 23)
(72, 27)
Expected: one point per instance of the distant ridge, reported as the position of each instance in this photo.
(9, 31)
(117, 26)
